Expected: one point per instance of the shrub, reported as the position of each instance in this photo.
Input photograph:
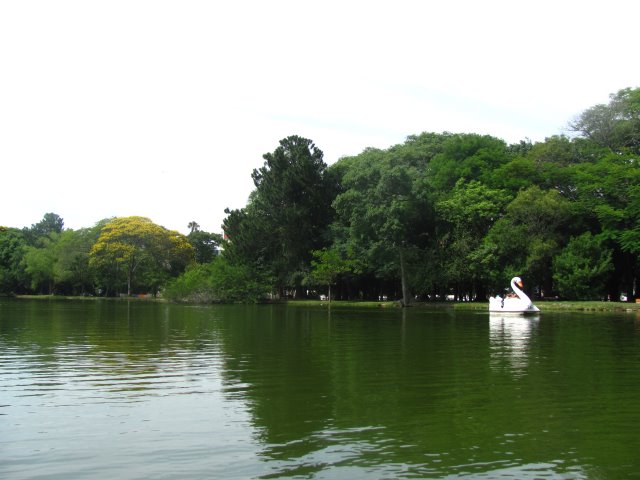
(217, 282)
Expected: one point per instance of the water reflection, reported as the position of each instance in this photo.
(509, 337)
(150, 391)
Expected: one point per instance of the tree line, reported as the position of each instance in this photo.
(440, 215)
(117, 256)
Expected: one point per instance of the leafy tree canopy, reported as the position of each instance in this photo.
(13, 247)
(288, 213)
(129, 245)
(205, 244)
(440, 213)
(51, 223)
(581, 269)
(615, 125)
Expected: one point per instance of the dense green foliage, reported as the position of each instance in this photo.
(454, 214)
(287, 217)
(131, 246)
(117, 256)
(217, 282)
(440, 215)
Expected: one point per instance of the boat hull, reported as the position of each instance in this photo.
(511, 305)
(531, 311)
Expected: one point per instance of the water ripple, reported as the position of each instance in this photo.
(134, 391)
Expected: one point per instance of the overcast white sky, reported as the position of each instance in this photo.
(163, 108)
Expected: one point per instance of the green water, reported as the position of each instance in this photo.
(110, 389)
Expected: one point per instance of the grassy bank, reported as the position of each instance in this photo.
(545, 306)
(295, 303)
(87, 298)
(548, 306)
(557, 306)
(342, 303)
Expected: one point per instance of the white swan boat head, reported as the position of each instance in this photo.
(521, 303)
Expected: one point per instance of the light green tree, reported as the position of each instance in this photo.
(72, 272)
(615, 125)
(469, 213)
(327, 265)
(129, 246)
(40, 263)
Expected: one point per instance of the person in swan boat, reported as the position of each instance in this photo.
(517, 302)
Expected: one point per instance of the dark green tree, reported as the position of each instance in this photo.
(51, 223)
(13, 246)
(383, 217)
(525, 240)
(205, 244)
(287, 216)
(580, 271)
(449, 212)
(609, 193)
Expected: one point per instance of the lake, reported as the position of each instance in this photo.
(143, 390)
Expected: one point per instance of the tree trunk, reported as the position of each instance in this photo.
(406, 297)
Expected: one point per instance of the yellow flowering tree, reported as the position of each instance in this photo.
(131, 248)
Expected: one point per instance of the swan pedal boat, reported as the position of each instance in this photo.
(521, 304)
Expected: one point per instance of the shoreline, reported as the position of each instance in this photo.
(549, 305)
